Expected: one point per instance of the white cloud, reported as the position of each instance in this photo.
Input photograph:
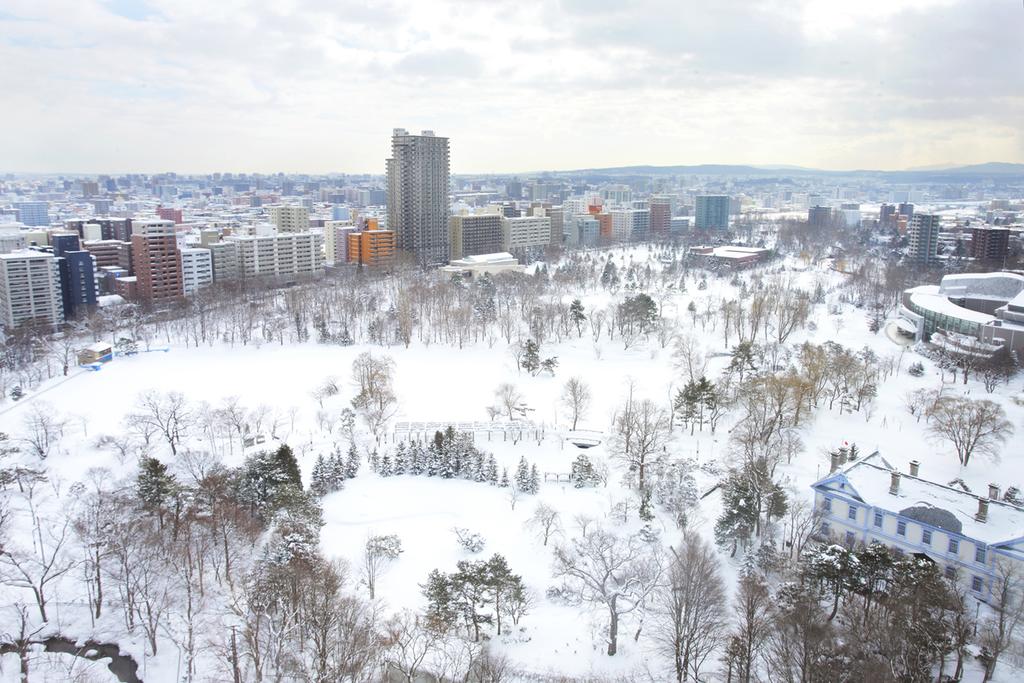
(317, 85)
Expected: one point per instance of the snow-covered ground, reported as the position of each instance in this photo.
(443, 384)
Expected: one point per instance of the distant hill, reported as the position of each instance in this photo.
(993, 168)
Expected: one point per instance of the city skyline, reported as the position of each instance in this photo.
(121, 86)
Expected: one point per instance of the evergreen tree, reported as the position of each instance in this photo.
(523, 475)
(401, 460)
(583, 472)
(739, 515)
(492, 470)
(374, 462)
(534, 479)
(154, 485)
(504, 482)
(531, 357)
(351, 462)
(577, 316)
(288, 464)
(317, 480)
(385, 466)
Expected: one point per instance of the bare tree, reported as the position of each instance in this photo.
(40, 566)
(971, 426)
(376, 400)
(168, 415)
(619, 574)
(546, 521)
(509, 398)
(641, 429)
(753, 625)
(380, 551)
(42, 429)
(997, 632)
(576, 399)
(690, 608)
(412, 643)
(688, 356)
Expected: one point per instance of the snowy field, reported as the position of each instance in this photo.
(443, 384)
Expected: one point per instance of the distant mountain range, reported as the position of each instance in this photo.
(1001, 169)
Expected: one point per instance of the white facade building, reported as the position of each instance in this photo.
(289, 218)
(196, 269)
(30, 289)
(525, 233)
(296, 253)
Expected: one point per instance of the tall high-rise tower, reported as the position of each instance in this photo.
(923, 238)
(417, 199)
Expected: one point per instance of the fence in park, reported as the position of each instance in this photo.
(483, 431)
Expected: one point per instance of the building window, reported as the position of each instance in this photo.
(850, 539)
(954, 546)
(951, 573)
(926, 537)
(878, 519)
(897, 551)
(852, 512)
(825, 529)
(827, 504)
(976, 584)
(979, 555)
(901, 528)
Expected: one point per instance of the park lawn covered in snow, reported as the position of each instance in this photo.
(444, 384)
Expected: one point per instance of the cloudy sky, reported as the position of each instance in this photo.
(519, 85)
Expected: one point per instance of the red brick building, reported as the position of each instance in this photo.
(156, 261)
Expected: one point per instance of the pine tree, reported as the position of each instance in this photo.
(416, 464)
(582, 472)
(534, 479)
(318, 479)
(492, 470)
(523, 476)
(154, 486)
(531, 357)
(479, 471)
(577, 316)
(289, 465)
(504, 483)
(401, 461)
(352, 462)
(433, 460)
(375, 462)
(385, 466)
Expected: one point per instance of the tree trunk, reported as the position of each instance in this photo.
(613, 629)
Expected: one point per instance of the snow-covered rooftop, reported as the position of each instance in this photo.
(999, 286)
(929, 298)
(870, 478)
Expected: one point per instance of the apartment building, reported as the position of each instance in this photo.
(525, 234)
(196, 269)
(77, 270)
(477, 234)
(336, 240)
(371, 247)
(289, 218)
(923, 238)
(244, 256)
(417, 197)
(712, 212)
(156, 261)
(30, 289)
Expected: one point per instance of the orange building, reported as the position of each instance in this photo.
(371, 247)
(604, 222)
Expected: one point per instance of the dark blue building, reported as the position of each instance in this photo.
(77, 275)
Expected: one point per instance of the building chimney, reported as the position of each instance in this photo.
(982, 515)
(835, 463)
(915, 467)
(993, 491)
(894, 484)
